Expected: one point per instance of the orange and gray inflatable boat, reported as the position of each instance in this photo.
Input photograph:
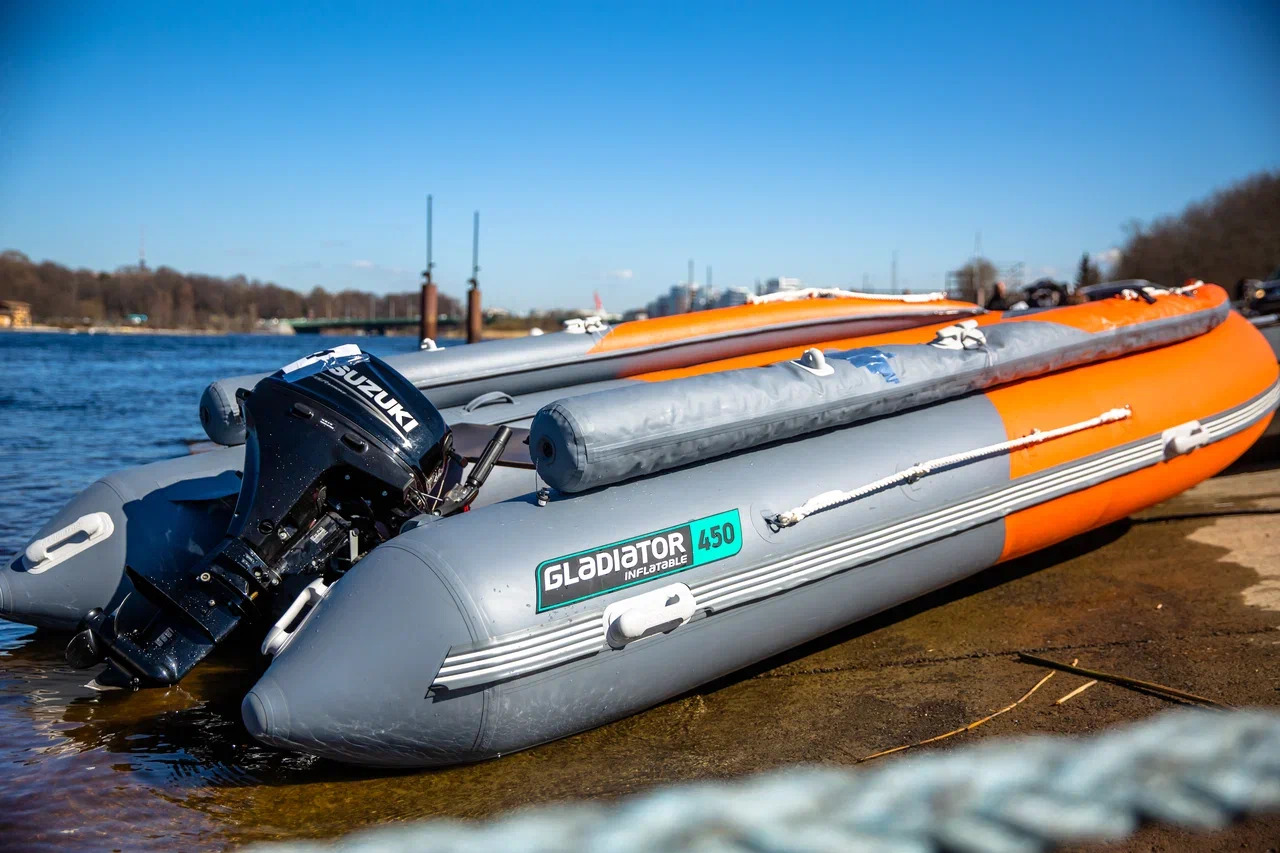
(696, 524)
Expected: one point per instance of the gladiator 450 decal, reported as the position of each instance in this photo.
(596, 571)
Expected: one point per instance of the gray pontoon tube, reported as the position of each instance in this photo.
(609, 436)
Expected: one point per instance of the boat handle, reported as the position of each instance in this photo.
(488, 399)
(47, 551)
(280, 634)
(1184, 438)
(658, 612)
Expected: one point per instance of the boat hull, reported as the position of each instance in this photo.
(449, 644)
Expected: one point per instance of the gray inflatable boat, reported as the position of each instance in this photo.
(701, 525)
(639, 538)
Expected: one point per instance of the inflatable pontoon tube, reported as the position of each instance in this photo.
(609, 436)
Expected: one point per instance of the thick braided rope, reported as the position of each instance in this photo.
(1197, 769)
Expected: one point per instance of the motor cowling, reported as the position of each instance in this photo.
(340, 451)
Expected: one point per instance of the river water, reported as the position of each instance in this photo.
(171, 769)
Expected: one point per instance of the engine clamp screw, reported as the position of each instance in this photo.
(204, 577)
(265, 526)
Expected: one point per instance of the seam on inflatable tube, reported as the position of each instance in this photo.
(527, 651)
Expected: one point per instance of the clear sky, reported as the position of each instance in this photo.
(605, 144)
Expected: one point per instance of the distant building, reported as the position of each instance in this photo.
(14, 314)
(684, 297)
(779, 284)
(733, 296)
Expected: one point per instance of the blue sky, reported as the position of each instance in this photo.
(606, 144)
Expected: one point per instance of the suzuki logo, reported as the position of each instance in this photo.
(398, 414)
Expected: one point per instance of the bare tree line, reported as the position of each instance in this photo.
(1232, 235)
(1229, 238)
(59, 295)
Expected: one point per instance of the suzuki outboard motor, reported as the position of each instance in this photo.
(341, 451)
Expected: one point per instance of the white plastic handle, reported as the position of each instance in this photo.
(280, 634)
(657, 612)
(1184, 438)
(47, 551)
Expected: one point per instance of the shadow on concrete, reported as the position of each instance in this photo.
(984, 580)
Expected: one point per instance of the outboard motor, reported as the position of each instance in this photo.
(341, 450)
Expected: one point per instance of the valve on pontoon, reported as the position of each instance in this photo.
(340, 451)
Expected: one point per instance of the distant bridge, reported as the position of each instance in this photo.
(368, 325)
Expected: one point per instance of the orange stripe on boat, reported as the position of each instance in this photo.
(1108, 314)
(915, 335)
(680, 327)
(1218, 371)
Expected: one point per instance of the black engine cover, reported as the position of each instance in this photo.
(340, 409)
(340, 447)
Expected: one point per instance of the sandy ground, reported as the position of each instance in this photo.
(1186, 594)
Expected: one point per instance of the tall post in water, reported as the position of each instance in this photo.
(474, 319)
(429, 298)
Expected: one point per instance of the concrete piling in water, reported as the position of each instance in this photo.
(475, 320)
(428, 309)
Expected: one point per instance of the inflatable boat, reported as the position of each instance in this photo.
(161, 519)
(697, 526)
(642, 537)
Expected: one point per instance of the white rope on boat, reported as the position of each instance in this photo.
(827, 500)
(838, 293)
(1195, 769)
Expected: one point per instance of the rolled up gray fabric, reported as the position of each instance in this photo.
(610, 436)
